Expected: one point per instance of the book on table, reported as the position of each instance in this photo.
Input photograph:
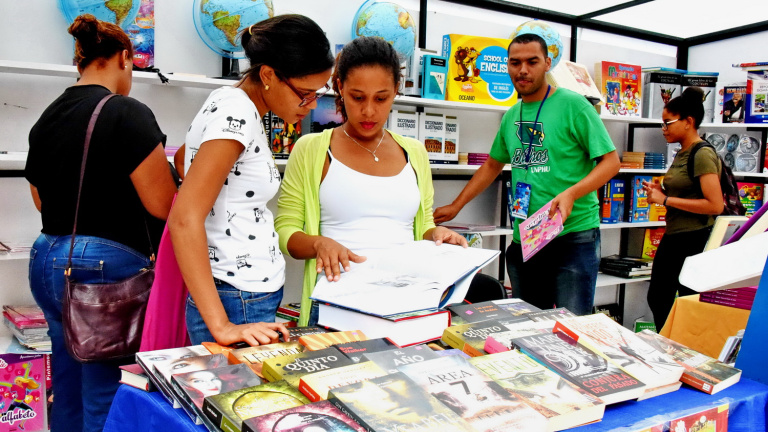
(166, 370)
(316, 416)
(502, 341)
(390, 360)
(292, 367)
(319, 341)
(254, 356)
(550, 314)
(395, 403)
(134, 376)
(148, 360)
(414, 277)
(567, 405)
(470, 338)
(315, 386)
(355, 349)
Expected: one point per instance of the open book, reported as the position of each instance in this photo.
(417, 276)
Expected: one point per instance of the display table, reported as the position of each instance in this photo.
(136, 410)
(703, 327)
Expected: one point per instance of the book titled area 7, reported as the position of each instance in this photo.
(538, 230)
(416, 276)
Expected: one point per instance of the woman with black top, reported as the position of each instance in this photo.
(692, 203)
(127, 181)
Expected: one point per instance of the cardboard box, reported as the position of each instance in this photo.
(477, 70)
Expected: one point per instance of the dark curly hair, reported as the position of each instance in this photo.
(364, 51)
(528, 38)
(97, 40)
(688, 104)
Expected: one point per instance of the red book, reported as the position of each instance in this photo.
(737, 304)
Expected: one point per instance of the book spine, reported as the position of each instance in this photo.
(228, 426)
(271, 373)
(212, 412)
(738, 305)
(493, 346)
(344, 409)
(308, 391)
(697, 383)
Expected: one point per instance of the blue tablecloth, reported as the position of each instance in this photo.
(136, 410)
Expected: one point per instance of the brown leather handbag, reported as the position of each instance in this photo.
(103, 321)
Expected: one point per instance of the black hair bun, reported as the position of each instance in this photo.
(693, 94)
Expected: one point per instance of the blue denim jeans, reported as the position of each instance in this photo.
(562, 274)
(242, 307)
(84, 391)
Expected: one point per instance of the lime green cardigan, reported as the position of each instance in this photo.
(298, 206)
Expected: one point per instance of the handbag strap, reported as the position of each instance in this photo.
(86, 145)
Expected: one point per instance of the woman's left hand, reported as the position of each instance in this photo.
(444, 235)
(654, 192)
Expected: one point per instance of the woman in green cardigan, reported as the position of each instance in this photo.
(351, 191)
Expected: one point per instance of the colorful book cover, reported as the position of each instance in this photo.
(395, 403)
(639, 210)
(228, 410)
(519, 202)
(325, 115)
(516, 306)
(315, 386)
(320, 416)
(659, 88)
(757, 91)
(25, 316)
(752, 196)
(476, 312)
(621, 88)
(709, 420)
(733, 104)
(621, 346)
(23, 403)
(316, 342)
(502, 341)
(141, 32)
(149, 359)
(190, 364)
(292, 367)
(701, 371)
(581, 366)
(613, 202)
(657, 212)
(283, 136)
(355, 350)
(550, 314)
(566, 404)
(470, 338)
(254, 356)
(390, 360)
(480, 401)
(538, 230)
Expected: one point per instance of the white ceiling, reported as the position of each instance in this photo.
(679, 18)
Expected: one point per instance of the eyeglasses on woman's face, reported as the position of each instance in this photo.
(665, 123)
(306, 97)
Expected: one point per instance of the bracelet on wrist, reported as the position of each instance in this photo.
(665, 201)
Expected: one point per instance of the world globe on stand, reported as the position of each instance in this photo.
(220, 22)
(550, 35)
(388, 21)
(120, 12)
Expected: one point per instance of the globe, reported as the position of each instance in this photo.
(120, 12)
(219, 22)
(546, 32)
(388, 21)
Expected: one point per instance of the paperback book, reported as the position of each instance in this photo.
(538, 230)
(148, 360)
(292, 367)
(25, 316)
(315, 386)
(477, 312)
(502, 341)
(479, 400)
(574, 77)
(660, 86)
(355, 350)
(313, 417)
(254, 356)
(390, 360)
(516, 306)
(319, 341)
(566, 404)
(470, 338)
(24, 398)
(550, 314)
(395, 403)
(620, 88)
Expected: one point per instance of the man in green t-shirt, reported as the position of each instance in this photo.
(557, 144)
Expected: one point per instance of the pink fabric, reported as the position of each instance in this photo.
(165, 325)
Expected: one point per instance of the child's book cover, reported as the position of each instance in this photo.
(355, 350)
(538, 230)
(390, 360)
(657, 212)
(613, 202)
(395, 403)
(283, 136)
(292, 367)
(566, 404)
(325, 115)
(228, 410)
(621, 88)
(320, 416)
(23, 405)
(315, 386)
(141, 32)
(752, 196)
(480, 401)
(519, 201)
(254, 356)
(639, 210)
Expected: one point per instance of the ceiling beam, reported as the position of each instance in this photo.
(618, 7)
(727, 34)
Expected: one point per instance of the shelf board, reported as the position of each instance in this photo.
(499, 231)
(604, 280)
(622, 225)
(641, 120)
(618, 119)
(14, 256)
(642, 171)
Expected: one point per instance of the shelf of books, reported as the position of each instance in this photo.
(604, 280)
(622, 225)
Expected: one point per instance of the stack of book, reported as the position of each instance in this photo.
(633, 160)
(28, 325)
(655, 161)
(476, 158)
(289, 311)
(741, 298)
(626, 267)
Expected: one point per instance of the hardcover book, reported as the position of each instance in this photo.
(254, 356)
(317, 416)
(660, 86)
(149, 359)
(404, 123)
(134, 376)
(395, 403)
(613, 202)
(538, 230)
(701, 371)
(355, 350)
(620, 87)
(315, 386)
(390, 360)
(470, 338)
(566, 404)
(579, 365)
(621, 346)
(574, 77)
(319, 341)
(228, 410)
(292, 367)
(475, 397)
(432, 134)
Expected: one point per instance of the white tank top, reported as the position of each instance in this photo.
(367, 213)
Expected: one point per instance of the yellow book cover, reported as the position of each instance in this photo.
(314, 342)
(470, 338)
(254, 356)
(657, 213)
(315, 386)
(477, 70)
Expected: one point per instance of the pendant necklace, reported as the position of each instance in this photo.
(375, 158)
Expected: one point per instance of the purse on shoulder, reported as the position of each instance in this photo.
(103, 321)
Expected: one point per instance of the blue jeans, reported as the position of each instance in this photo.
(84, 391)
(562, 274)
(242, 307)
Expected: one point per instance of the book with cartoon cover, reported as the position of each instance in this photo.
(317, 416)
(538, 230)
(23, 397)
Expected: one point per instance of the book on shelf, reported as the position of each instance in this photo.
(643, 243)
(390, 360)
(626, 261)
(403, 329)
(292, 367)
(621, 346)
(228, 410)
(315, 386)
(417, 276)
(567, 405)
(478, 399)
(254, 356)
(25, 316)
(134, 376)
(404, 123)
(316, 416)
(502, 341)
(314, 342)
(660, 86)
(707, 82)
(733, 103)
(432, 134)
(539, 230)
(612, 210)
(757, 88)
(624, 272)
(149, 360)
(581, 366)
(550, 314)
(638, 208)
(751, 195)
(282, 137)
(355, 350)
(451, 143)
(395, 403)
(465, 313)
(701, 371)
(574, 77)
(620, 87)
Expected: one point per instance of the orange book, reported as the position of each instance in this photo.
(318, 341)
